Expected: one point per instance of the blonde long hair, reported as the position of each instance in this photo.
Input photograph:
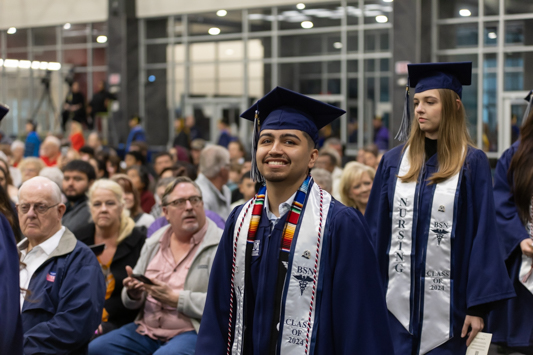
(352, 172)
(453, 141)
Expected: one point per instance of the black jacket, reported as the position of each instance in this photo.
(127, 253)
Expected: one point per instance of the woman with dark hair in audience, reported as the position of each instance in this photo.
(133, 201)
(10, 188)
(113, 166)
(123, 243)
(7, 208)
(140, 177)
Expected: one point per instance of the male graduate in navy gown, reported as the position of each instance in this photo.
(431, 214)
(10, 320)
(295, 271)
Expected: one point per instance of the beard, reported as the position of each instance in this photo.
(75, 198)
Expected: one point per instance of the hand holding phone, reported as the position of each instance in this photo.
(142, 278)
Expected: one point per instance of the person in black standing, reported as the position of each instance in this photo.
(74, 107)
(99, 102)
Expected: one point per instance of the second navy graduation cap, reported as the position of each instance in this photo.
(286, 109)
(428, 76)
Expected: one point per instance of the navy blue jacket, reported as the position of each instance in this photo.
(512, 322)
(478, 272)
(66, 299)
(10, 321)
(353, 315)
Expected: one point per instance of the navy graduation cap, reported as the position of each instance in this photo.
(3, 111)
(528, 108)
(286, 109)
(428, 76)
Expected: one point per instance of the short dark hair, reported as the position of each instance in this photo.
(372, 148)
(138, 156)
(331, 156)
(137, 118)
(246, 175)
(83, 167)
(87, 150)
(33, 124)
(162, 154)
(310, 142)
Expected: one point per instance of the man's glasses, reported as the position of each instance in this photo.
(38, 208)
(181, 202)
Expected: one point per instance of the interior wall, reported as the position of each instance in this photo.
(153, 8)
(37, 13)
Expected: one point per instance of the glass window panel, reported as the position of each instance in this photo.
(229, 87)
(202, 79)
(230, 50)
(319, 15)
(18, 39)
(353, 12)
(156, 53)
(353, 42)
(490, 97)
(178, 27)
(44, 36)
(302, 77)
(77, 57)
(260, 20)
(231, 71)
(384, 92)
(458, 8)
(157, 28)
(492, 7)
(45, 56)
(370, 65)
(334, 86)
(377, 40)
(202, 52)
(353, 66)
(99, 29)
(384, 65)
(260, 48)
(76, 34)
(491, 34)
(258, 75)
(352, 124)
(179, 83)
(199, 24)
(514, 70)
(377, 11)
(334, 67)
(458, 36)
(99, 56)
(518, 32)
(309, 44)
(20, 55)
(518, 7)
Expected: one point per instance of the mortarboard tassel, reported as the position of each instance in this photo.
(528, 108)
(254, 172)
(405, 124)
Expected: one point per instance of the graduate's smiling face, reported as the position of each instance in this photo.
(428, 112)
(285, 155)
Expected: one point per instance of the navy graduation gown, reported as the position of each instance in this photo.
(10, 319)
(353, 315)
(478, 271)
(512, 322)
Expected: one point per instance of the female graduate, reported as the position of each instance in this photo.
(512, 323)
(431, 215)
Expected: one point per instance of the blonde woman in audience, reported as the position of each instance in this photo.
(356, 183)
(30, 167)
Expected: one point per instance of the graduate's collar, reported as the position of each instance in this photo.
(283, 208)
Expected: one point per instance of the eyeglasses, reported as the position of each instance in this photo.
(181, 202)
(38, 208)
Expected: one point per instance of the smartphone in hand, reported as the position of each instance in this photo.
(143, 279)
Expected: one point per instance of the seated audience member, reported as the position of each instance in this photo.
(71, 155)
(86, 153)
(17, 152)
(177, 259)
(95, 141)
(133, 202)
(141, 181)
(371, 156)
(10, 188)
(78, 176)
(50, 151)
(355, 186)
(181, 168)
(236, 152)
(157, 210)
(134, 158)
(123, 243)
(234, 177)
(246, 188)
(329, 159)
(30, 167)
(214, 174)
(9, 210)
(197, 145)
(33, 142)
(76, 136)
(113, 166)
(323, 178)
(360, 158)
(54, 174)
(65, 287)
(161, 161)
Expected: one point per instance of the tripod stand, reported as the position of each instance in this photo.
(45, 81)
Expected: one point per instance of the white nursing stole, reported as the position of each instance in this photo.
(296, 327)
(436, 283)
(526, 275)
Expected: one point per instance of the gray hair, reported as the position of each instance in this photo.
(323, 178)
(54, 140)
(54, 174)
(213, 159)
(17, 144)
(56, 191)
(176, 181)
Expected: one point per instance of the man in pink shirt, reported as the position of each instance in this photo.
(177, 260)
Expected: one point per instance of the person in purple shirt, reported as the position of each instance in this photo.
(381, 134)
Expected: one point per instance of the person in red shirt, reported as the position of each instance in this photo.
(76, 136)
(50, 151)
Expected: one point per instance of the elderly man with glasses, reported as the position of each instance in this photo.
(169, 283)
(62, 286)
